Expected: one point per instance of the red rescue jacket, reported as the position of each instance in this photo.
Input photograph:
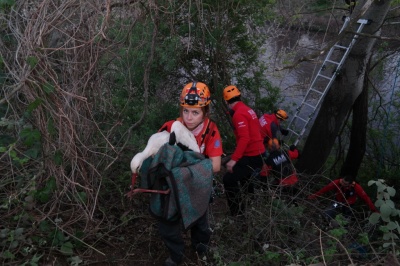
(347, 195)
(266, 122)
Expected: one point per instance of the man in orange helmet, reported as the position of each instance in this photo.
(248, 152)
(270, 124)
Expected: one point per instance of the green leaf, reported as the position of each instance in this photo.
(44, 193)
(385, 245)
(44, 226)
(380, 187)
(4, 233)
(66, 248)
(58, 158)
(385, 210)
(371, 182)
(32, 61)
(14, 244)
(18, 232)
(35, 259)
(76, 260)
(82, 197)
(60, 236)
(390, 203)
(6, 3)
(389, 236)
(374, 218)
(30, 136)
(392, 225)
(363, 238)
(385, 218)
(379, 203)
(391, 191)
(48, 88)
(33, 105)
(33, 152)
(7, 255)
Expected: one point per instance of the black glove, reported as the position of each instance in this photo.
(292, 147)
(284, 132)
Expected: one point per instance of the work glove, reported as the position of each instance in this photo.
(284, 132)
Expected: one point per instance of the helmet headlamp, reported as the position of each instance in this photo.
(192, 98)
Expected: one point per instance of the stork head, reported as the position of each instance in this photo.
(136, 163)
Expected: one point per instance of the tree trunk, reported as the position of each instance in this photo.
(358, 136)
(343, 93)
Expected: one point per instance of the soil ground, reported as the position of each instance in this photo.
(141, 245)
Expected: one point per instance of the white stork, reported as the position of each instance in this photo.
(179, 134)
(182, 135)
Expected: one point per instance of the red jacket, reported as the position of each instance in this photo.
(346, 194)
(267, 128)
(247, 132)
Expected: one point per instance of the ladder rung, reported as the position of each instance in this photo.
(325, 76)
(333, 62)
(309, 105)
(302, 119)
(317, 91)
(294, 132)
(363, 21)
(341, 46)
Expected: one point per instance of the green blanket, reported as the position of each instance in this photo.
(189, 176)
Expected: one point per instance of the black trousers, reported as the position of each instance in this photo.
(171, 234)
(335, 208)
(239, 181)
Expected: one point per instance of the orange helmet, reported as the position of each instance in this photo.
(231, 92)
(281, 114)
(273, 144)
(195, 94)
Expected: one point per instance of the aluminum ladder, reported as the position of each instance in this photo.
(321, 84)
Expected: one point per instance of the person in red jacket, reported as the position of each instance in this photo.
(347, 191)
(248, 152)
(279, 164)
(194, 112)
(271, 124)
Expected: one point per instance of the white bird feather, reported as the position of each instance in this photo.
(182, 134)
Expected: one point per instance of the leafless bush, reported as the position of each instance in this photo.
(54, 67)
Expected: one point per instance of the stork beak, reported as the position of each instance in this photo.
(131, 192)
